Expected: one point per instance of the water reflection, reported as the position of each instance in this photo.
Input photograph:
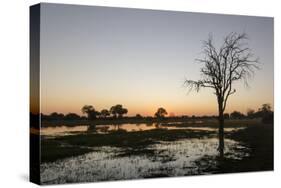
(133, 127)
(63, 130)
(177, 158)
(103, 129)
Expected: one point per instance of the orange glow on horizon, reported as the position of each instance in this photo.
(143, 69)
(150, 109)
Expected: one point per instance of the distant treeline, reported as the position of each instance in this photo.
(118, 112)
(265, 112)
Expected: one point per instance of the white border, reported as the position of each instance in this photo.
(14, 93)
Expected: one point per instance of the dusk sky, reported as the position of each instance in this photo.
(140, 58)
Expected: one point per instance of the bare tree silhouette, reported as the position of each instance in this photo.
(223, 66)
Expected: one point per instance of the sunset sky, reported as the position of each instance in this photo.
(140, 58)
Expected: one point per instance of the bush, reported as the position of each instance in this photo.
(268, 118)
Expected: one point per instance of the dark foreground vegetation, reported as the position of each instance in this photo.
(53, 149)
(257, 136)
(259, 139)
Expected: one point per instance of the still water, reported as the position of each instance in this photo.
(63, 130)
(166, 158)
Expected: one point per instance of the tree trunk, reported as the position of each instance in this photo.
(221, 130)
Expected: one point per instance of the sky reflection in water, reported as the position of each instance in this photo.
(177, 158)
(71, 130)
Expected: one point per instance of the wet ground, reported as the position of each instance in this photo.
(164, 158)
(64, 130)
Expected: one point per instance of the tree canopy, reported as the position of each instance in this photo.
(118, 110)
(160, 113)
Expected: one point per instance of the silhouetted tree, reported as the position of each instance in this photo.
(113, 111)
(98, 114)
(138, 116)
(223, 66)
(90, 111)
(160, 113)
(104, 113)
(226, 115)
(118, 110)
(237, 115)
(265, 108)
(71, 116)
(251, 113)
(265, 113)
(56, 116)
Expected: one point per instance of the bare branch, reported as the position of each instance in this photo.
(232, 62)
(197, 85)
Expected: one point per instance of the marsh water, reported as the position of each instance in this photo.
(63, 130)
(163, 159)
